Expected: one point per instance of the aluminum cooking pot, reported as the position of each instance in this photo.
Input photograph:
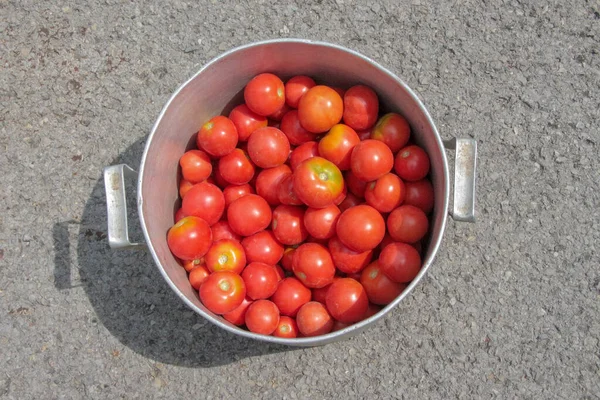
(215, 89)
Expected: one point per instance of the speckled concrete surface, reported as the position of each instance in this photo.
(511, 308)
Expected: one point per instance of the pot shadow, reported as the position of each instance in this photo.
(131, 298)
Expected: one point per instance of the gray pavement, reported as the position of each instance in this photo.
(511, 308)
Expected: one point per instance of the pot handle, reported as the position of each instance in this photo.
(116, 206)
(465, 162)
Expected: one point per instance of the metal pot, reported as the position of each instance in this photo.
(215, 89)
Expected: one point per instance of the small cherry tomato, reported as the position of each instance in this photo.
(287, 193)
(412, 163)
(268, 147)
(195, 166)
(249, 214)
(400, 262)
(190, 238)
(184, 187)
(347, 300)
(313, 265)
(288, 224)
(262, 316)
(420, 194)
(179, 214)
(355, 185)
(222, 292)
(287, 328)
(221, 230)
(350, 201)
(380, 289)
(361, 228)
(393, 130)
(291, 127)
(320, 222)
(206, 201)
(238, 315)
(318, 182)
(313, 319)
(268, 183)
(346, 259)
(226, 255)
(407, 224)
(337, 145)
(320, 108)
(217, 137)
(303, 152)
(246, 121)
(291, 294)
(263, 247)
(386, 193)
(361, 107)
(295, 88)
(236, 167)
(264, 94)
(371, 159)
(260, 279)
(234, 192)
(198, 275)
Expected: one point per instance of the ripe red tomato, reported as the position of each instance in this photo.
(287, 193)
(400, 262)
(295, 88)
(290, 295)
(350, 201)
(318, 182)
(361, 107)
(380, 289)
(222, 292)
(236, 167)
(221, 230)
(392, 129)
(234, 192)
(268, 147)
(219, 181)
(407, 224)
(246, 121)
(347, 300)
(287, 328)
(218, 136)
(320, 222)
(288, 224)
(371, 159)
(296, 134)
(277, 116)
(264, 94)
(190, 238)
(386, 193)
(303, 152)
(268, 183)
(288, 258)
(320, 294)
(248, 215)
(195, 166)
(184, 187)
(313, 265)
(179, 214)
(420, 194)
(238, 315)
(313, 319)
(361, 228)
(263, 247)
(206, 201)
(260, 279)
(337, 145)
(346, 259)
(355, 186)
(197, 275)
(262, 316)
(320, 108)
(412, 163)
(226, 255)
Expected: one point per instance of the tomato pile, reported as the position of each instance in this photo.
(304, 210)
